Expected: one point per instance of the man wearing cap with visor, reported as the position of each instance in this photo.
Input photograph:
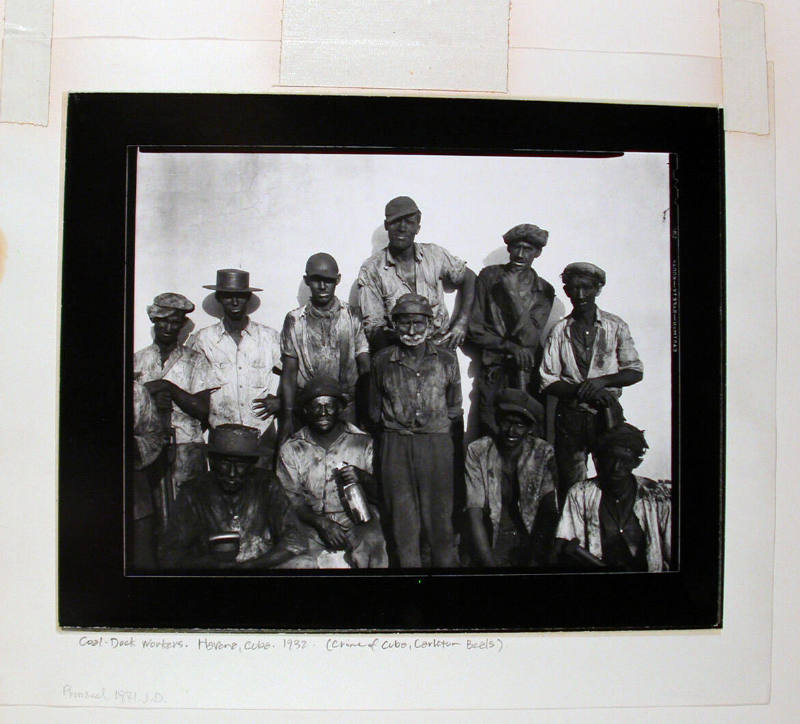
(588, 358)
(324, 337)
(511, 487)
(314, 465)
(180, 381)
(407, 267)
(234, 516)
(617, 520)
(415, 401)
(512, 306)
(245, 361)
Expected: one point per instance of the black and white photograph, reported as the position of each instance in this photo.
(365, 358)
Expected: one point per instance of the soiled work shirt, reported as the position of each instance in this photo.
(621, 536)
(260, 513)
(380, 285)
(243, 372)
(495, 321)
(186, 369)
(147, 433)
(612, 352)
(324, 343)
(535, 471)
(417, 400)
(306, 469)
(652, 508)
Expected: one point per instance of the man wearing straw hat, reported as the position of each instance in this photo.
(245, 360)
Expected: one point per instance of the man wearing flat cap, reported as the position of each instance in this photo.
(316, 463)
(588, 358)
(234, 516)
(404, 267)
(180, 381)
(324, 337)
(617, 521)
(415, 402)
(511, 487)
(245, 360)
(512, 306)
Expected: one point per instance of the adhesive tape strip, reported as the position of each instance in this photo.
(25, 83)
(744, 66)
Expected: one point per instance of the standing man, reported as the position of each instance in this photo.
(618, 521)
(588, 358)
(316, 462)
(243, 355)
(415, 400)
(512, 306)
(511, 484)
(236, 515)
(325, 337)
(407, 267)
(180, 382)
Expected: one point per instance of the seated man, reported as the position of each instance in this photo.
(588, 358)
(315, 464)
(236, 515)
(511, 483)
(617, 521)
(324, 337)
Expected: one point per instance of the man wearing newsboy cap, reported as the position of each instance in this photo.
(245, 359)
(179, 380)
(512, 306)
(404, 267)
(234, 516)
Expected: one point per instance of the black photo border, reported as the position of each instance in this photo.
(103, 132)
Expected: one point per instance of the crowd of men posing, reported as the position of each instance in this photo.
(339, 441)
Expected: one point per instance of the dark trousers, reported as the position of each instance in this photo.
(577, 430)
(417, 480)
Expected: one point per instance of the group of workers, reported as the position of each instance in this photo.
(339, 442)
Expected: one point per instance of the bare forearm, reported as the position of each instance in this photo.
(466, 298)
(480, 539)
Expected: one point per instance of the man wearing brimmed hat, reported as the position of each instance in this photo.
(179, 380)
(511, 486)
(588, 358)
(407, 267)
(235, 515)
(415, 401)
(617, 520)
(512, 306)
(324, 337)
(316, 463)
(243, 355)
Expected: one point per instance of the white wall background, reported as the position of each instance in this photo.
(268, 213)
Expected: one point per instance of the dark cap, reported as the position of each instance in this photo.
(623, 435)
(322, 265)
(519, 401)
(322, 386)
(232, 280)
(584, 269)
(399, 207)
(165, 304)
(529, 233)
(234, 440)
(412, 304)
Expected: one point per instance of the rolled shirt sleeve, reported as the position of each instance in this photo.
(550, 367)
(370, 301)
(452, 269)
(627, 356)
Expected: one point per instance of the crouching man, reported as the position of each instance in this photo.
(617, 521)
(314, 467)
(511, 486)
(234, 516)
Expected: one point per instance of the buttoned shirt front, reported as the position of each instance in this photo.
(536, 476)
(307, 470)
(652, 507)
(411, 398)
(494, 320)
(185, 368)
(380, 285)
(612, 351)
(324, 343)
(243, 372)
